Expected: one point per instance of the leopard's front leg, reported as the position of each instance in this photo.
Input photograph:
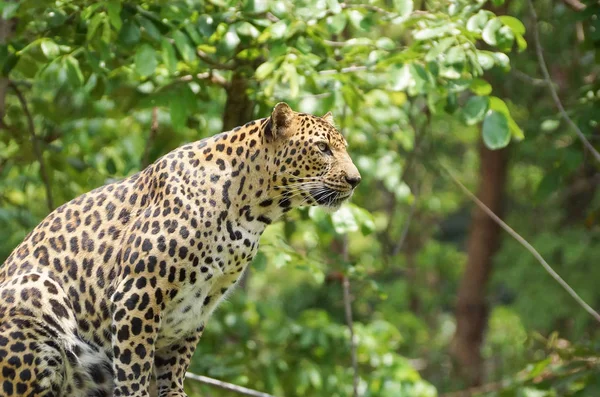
(135, 327)
(172, 363)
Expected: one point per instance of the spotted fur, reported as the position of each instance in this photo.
(116, 285)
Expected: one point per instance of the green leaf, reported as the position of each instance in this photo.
(334, 6)
(477, 22)
(105, 37)
(496, 134)
(9, 9)
(50, 49)
(343, 220)
(88, 11)
(182, 103)
(475, 109)
(229, 43)
(336, 23)
(499, 105)
(485, 59)
(150, 29)
(145, 60)
(246, 29)
(404, 7)
(94, 24)
(480, 87)
(264, 70)
(489, 32)
(260, 261)
(168, 56)
(182, 43)
(130, 33)
(291, 76)
(521, 43)
(74, 75)
(456, 55)
(114, 13)
(516, 26)
(439, 48)
(178, 112)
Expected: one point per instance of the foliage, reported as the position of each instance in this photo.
(410, 83)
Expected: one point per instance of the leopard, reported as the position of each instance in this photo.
(112, 291)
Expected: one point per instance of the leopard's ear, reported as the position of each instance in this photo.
(328, 117)
(280, 120)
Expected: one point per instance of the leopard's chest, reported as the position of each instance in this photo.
(207, 284)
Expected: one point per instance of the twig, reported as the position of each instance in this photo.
(36, 146)
(210, 76)
(528, 79)
(527, 246)
(207, 59)
(348, 312)
(405, 227)
(557, 102)
(226, 386)
(350, 69)
(576, 5)
(370, 8)
(151, 138)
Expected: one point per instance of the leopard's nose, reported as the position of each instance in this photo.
(353, 180)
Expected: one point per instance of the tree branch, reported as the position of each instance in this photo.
(348, 314)
(576, 5)
(210, 76)
(36, 146)
(349, 69)
(207, 59)
(526, 245)
(226, 386)
(546, 74)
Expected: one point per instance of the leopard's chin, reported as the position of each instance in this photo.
(329, 199)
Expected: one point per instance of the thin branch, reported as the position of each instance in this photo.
(576, 5)
(350, 69)
(216, 65)
(527, 246)
(151, 138)
(405, 228)
(348, 313)
(557, 102)
(370, 8)
(36, 146)
(528, 79)
(210, 76)
(226, 386)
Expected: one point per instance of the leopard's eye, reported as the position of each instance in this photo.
(323, 147)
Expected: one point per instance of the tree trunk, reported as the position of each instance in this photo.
(483, 242)
(238, 111)
(238, 106)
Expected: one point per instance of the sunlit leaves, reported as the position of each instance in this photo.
(499, 105)
(403, 7)
(480, 87)
(50, 49)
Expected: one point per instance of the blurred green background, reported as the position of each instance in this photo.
(443, 303)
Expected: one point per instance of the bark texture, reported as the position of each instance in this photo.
(239, 108)
(483, 242)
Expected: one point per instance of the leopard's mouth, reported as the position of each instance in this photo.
(329, 197)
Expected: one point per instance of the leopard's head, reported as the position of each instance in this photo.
(310, 162)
